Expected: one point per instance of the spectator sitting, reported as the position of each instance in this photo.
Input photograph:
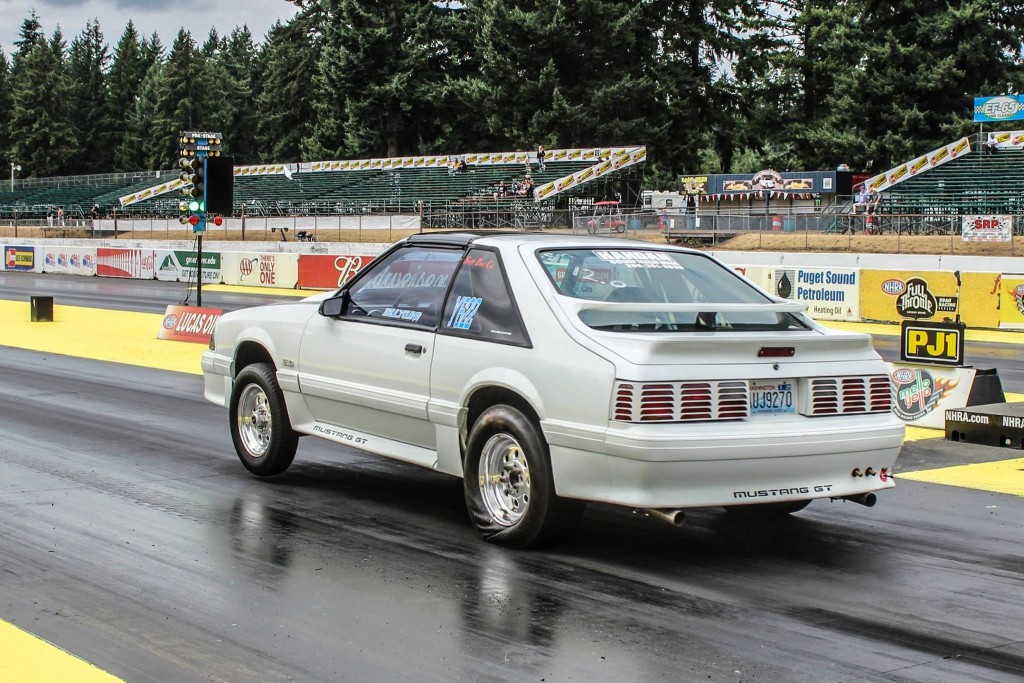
(989, 146)
(516, 186)
(874, 200)
(527, 186)
(462, 165)
(860, 202)
(453, 166)
(500, 190)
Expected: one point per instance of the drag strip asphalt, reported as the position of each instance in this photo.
(132, 538)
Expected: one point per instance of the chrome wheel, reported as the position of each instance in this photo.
(255, 425)
(504, 479)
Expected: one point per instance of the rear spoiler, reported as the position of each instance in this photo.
(703, 309)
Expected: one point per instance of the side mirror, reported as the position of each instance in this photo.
(335, 306)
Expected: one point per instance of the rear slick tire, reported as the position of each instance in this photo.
(508, 484)
(260, 428)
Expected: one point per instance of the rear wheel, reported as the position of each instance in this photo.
(509, 488)
(260, 428)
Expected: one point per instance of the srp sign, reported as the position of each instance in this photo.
(987, 228)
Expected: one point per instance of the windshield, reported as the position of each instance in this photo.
(649, 276)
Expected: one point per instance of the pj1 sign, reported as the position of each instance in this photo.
(926, 342)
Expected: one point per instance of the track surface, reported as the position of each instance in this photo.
(131, 537)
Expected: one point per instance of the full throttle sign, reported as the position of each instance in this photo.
(924, 342)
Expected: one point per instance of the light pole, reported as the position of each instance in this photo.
(14, 167)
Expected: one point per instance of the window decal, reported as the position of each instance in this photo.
(402, 314)
(639, 259)
(465, 310)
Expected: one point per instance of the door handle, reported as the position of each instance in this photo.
(415, 348)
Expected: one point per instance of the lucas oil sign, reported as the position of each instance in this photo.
(927, 342)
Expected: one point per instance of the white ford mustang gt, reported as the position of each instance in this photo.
(550, 370)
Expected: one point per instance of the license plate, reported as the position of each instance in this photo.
(772, 398)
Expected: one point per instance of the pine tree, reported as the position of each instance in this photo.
(43, 139)
(375, 77)
(180, 104)
(30, 34)
(285, 100)
(127, 69)
(139, 151)
(6, 107)
(89, 101)
(236, 90)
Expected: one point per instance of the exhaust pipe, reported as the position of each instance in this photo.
(673, 517)
(865, 499)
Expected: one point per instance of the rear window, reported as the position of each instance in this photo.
(634, 281)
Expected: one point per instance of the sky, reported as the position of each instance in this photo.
(164, 17)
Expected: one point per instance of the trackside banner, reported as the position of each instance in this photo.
(19, 258)
(936, 157)
(925, 392)
(188, 324)
(129, 263)
(320, 271)
(830, 293)
(986, 228)
(180, 266)
(257, 269)
(69, 260)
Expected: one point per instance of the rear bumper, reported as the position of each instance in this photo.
(729, 463)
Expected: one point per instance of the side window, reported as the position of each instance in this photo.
(480, 303)
(407, 286)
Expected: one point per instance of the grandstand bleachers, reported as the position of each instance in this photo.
(370, 190)
(976, 183)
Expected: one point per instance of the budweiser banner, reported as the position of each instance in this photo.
(319, 271)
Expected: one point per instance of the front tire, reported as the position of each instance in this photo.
(509, 488)
(260, 428)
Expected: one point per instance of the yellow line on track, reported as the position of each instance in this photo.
(28, 659)
(101, 334)
(300, 293)
(1001, 476)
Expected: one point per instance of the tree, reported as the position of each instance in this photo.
(236, 91)
(6, 107)
(127, 69)
(30, 34)
(180, 102)
(89, 101)
(374, 78)
(139, 150)
(42, 137)
(285, 100)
